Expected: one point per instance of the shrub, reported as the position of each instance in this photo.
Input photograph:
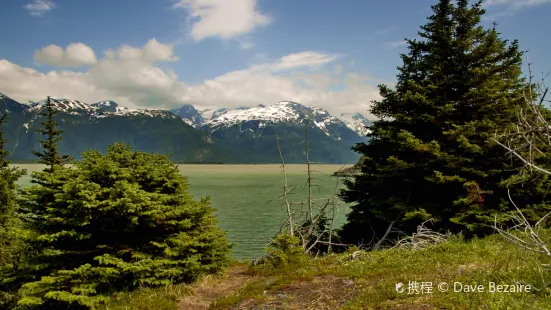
(282, 251)
(115, 222)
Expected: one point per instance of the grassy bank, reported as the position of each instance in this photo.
(367, 282)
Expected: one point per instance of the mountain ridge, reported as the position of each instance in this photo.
(242, 135)
(273, 113)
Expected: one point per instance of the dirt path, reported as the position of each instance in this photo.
(320, 293)
(210, 288)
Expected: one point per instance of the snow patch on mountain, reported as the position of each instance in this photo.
(100, 109)
(64, 105)
(281, 112)
(357, 122)
(111, 106)
(264, 116)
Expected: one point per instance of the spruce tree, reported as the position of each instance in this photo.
(10, 224)
(38, 205)
(120, 220)
(429, 155)
(50, 155)
(12, 243)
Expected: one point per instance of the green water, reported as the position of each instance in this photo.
(247, 198)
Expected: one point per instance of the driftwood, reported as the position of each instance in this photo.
(423, 238)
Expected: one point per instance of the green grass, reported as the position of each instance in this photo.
(317, 282)
(375, 275)
(163, 298)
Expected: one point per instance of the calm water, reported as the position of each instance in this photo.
(247, 198)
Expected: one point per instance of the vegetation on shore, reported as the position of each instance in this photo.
(368, 281)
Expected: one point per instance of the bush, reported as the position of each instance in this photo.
(282, 251)
(115, 222)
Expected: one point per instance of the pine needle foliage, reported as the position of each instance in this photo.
(118, 221)
(12, 232)
(429, 156)
(50, 155)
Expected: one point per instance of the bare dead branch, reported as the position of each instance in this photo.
(304, 218)
(285, 190)
(378, 244)
(532, 136)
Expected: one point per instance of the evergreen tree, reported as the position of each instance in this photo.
(35, 208)
(12, 245)
(50, 154)
(10, 223)
(430, 155)
(121, 220)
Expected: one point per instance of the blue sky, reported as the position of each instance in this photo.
(227, 53)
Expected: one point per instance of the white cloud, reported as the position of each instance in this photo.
(250, 87)
(39, 7)
(303, 59)
(223, 18)
(127, 75)
(75, 55)
(395, 44)
(508, 7)
(26, 84)
(152, 51)
(514, 4)
(266, 83)
(130, 76)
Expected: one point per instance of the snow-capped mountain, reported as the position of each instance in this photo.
(241, 135)
(357, 122)
(189, 114)
(110, 106)
(97, 110)
(96, 126)
(257, 128)
(196, 118)
(281, 112)
(61, 104)
(9, 105)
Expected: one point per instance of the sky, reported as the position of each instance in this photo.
(228, 53)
